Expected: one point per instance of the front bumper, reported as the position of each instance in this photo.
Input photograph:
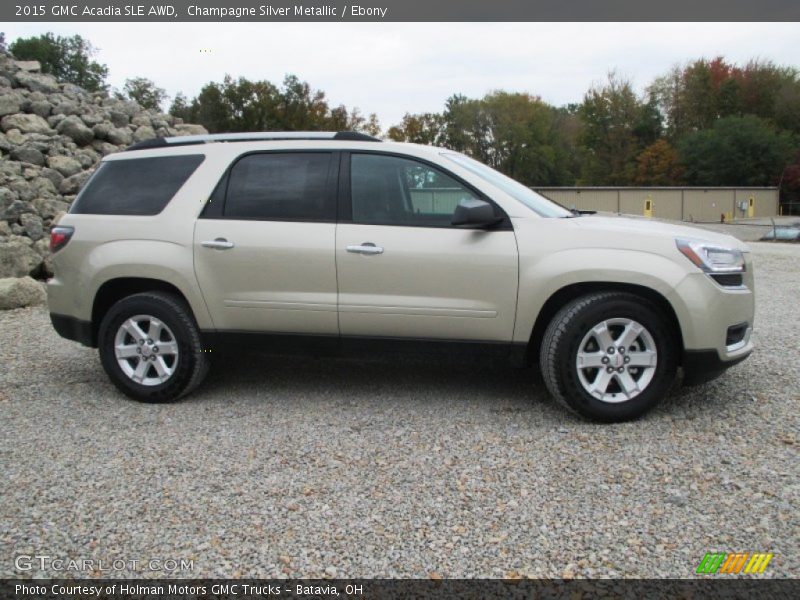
(700, 366)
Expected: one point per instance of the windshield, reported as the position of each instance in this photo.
(536, 202)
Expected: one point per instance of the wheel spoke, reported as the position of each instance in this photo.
(589, 360)
(133, 329)
(161, 368)
(167, 348)
(155, 329)
(629, 335)
(603, 335)
(645, 358)
(126, 350)
(141, 370)
(627, 383)
(600, 383)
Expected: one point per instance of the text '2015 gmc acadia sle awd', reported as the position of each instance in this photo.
(338, 243)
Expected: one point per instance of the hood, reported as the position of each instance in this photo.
(640, 226)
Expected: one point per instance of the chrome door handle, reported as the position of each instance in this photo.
(365, 248)
(218, 244)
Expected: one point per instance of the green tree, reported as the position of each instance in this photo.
(693, 97)
(181, 107)
(616, 125)
(736, 151)
(243, 105)
(69, 59)
(658, 164)
(516, 133)
(144, 92)
(425, 128)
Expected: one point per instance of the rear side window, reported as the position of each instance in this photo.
(139, 186)
(281, 187)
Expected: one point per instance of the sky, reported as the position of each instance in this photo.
(394, 68)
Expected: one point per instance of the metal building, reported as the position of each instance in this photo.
(678, 203)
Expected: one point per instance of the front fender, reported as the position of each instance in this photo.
(540, 279)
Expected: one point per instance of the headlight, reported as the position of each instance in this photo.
(711, 258)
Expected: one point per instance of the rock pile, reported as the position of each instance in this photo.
(52, 136)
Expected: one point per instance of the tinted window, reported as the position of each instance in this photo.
(536, 202)
(274, 186)
(387, 190)
(139, 186)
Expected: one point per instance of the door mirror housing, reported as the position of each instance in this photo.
(474, 213)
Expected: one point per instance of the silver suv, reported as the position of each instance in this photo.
(340, 243)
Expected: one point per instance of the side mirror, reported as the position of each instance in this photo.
(474, 213)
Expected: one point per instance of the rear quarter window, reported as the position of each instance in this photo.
(139, 186)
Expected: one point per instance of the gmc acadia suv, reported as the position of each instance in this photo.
(333, 243)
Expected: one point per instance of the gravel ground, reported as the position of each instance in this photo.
(313, 468)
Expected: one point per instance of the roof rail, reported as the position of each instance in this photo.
(186, 140)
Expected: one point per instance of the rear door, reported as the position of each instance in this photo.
(264, 246)
(405, 271)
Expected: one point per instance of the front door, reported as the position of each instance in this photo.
(404, 271)
(264, 258)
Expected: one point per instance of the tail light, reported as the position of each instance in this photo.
(59, 236)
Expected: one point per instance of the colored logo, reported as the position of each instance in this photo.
(737, 562)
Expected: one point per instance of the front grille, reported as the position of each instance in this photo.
(735, 334)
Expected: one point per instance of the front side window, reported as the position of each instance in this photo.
(536, 202)
(280, 187)
(389, 190)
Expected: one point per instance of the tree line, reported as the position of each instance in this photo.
(705, 123)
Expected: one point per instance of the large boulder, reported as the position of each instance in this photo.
(16, 209)
(120, 136)
(20, 292)
(190, 129)
(36, 82)
(65, 165)
(33, 226)
(26, 124)
(74, 128)
(10, 104)
(67, 107)
(32, 66)
(27, 154)
(18, 258)
(71, 185)
(48, 208)
(145, 132)
(119, 118)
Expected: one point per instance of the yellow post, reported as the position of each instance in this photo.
(751, 207)
(648, 207)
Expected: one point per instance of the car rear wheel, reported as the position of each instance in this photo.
(150, 347)
(609, 356)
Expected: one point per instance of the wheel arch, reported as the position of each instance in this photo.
(575, 290)
(116, 289)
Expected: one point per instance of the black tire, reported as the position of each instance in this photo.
(567, 331)
(191, 364)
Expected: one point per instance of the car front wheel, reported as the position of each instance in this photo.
(609, 356)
